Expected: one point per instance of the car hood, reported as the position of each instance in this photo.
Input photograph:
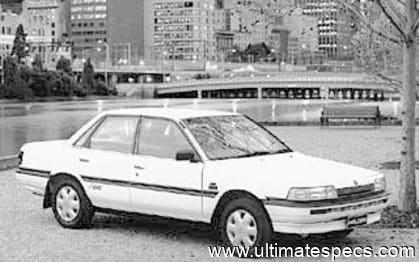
(274, 175)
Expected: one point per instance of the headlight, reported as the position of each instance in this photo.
(380, 184)
(312, 193)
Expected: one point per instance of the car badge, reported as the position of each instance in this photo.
(355, 182)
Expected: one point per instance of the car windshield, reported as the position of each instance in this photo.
(233, 136)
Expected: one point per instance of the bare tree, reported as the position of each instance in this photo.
(403, 15)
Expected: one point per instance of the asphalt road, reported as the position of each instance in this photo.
(29, 233)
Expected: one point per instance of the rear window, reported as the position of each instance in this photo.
(114, 134)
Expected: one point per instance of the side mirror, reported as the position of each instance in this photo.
(185, 155)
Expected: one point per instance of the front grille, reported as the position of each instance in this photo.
(348, 207)
(355, 191)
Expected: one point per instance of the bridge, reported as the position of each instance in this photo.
(287, 85)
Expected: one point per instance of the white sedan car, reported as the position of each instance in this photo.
(215, 167)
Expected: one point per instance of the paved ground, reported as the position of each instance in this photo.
(28, 233)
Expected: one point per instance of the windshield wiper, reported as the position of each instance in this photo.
(257, 153)
(263, 153)
(282, 151)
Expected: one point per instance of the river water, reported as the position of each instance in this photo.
(26, 122)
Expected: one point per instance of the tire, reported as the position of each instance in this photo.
(70, 205)
(256, 224)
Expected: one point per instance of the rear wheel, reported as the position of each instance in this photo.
(70, 205)
(244, 223)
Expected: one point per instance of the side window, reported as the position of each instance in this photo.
(83, 140)
(115, 134)
(161, 138)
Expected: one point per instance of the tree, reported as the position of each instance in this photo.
(64, 65)
(403, 15)
(15, 79)
(88, 76)
(20, 48)
(37, 63)
(10, 71)
(10, 75)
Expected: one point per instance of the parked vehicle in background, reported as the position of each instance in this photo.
(215, 167)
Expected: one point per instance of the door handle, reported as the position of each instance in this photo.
(84, 160)
(139, 167)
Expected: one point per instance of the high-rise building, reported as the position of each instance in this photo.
(304, 28)
(88, 24)
(335, 24)
(254, 21)
(184, 29)
(117, 29)
(127, 32)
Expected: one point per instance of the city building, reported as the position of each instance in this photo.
(8, 24)
(336, 26)
(44, 25)
(126, 31)
(304, 46)
(14, 6)
(88, 26)
(224, 37)
(254, 21)
(119, 31)
(184, 30)
(224, 45)
(279, 41)
(304, 28)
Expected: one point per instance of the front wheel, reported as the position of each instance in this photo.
(70, 205)
(244, 223)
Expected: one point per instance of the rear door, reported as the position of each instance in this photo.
(105, 161)
(163, 185)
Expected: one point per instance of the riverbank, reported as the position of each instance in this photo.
(58, 99)
(22, 123)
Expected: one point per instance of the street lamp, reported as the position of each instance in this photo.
(277, 58)
(162, 65)
(234, 53)
(303, 46)
(101, 42)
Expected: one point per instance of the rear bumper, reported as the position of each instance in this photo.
(324, 219)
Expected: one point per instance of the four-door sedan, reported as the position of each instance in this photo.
(215, 167)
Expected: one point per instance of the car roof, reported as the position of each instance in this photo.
(170, 113)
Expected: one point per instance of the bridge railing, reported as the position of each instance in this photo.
(282, 78)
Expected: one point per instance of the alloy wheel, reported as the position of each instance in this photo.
(241, 228)
(68, 203)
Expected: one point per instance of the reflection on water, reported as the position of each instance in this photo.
(21, 123)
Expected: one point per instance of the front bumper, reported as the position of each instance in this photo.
(323, 217)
